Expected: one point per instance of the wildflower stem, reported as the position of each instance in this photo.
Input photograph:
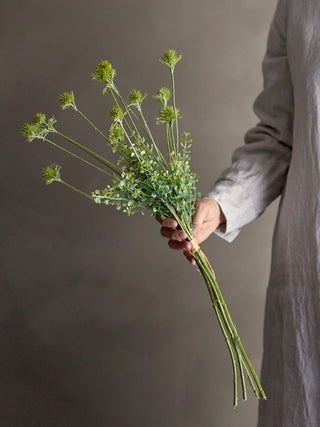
(77, 157)
(76, 189)
(91, 124)
(174, 106)
(146, 127)
(117, 103)
(101, 159)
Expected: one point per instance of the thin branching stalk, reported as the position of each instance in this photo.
(174, 105)
(91, 153)
(91, 124)
(76, 189)
(77, 157)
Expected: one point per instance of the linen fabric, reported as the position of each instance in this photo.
(281, 156)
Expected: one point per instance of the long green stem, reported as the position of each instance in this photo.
(76, 189)
(117, 103)
(96, 156)
(174, 107)
(225, 321)
(77, 157)
(91, 124)
(151, 137)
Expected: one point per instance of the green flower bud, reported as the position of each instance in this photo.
(116, 113)
(135, 97)
(170, 58)
(51, 173)
(39, 119)
(29, 131)
(66, 100)
(104, 73)
(167, 115)
(163, 95)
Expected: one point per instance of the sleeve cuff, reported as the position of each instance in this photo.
(236, 206)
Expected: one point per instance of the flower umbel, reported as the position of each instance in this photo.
(163, 95)
(135, 97)
(39, 128)
(29, 131)
(66, 99)
(167, 115)
(104, 73)
(170, 58)
(51, 173)
(116, 113)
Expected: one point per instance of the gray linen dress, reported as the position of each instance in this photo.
(281, 155)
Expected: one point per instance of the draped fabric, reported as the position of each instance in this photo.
(281, 156)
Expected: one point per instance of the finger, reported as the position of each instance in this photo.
(199, 216)
(188, 254)
(170, 223)
(159, 219)
(167, 222)
(173, 233)
(178, 245)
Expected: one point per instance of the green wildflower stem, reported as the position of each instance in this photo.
(226, 323)
(168, 138)
(76, 189)
(172, 139)
(127, 109)
(243, 383)
(117, 103)
(148, 132)
(130, 142)
(91, 124)
(174, 106)
(205, 272)
(96, 156)
(225, 334)
(77, 157)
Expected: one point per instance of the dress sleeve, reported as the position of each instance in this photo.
(259, 167)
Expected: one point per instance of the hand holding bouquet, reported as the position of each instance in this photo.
(146, 179)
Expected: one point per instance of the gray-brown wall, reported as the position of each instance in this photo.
(101, 324)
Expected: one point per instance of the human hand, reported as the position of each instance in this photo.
(207, 217)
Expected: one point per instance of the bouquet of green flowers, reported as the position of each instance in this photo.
(145, 179)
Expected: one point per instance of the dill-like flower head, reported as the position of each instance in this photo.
(116, 137)
(167, 115)
(104, 73)
(39, 128)
(29, 131)
(66, 99)
(170, 58)
(163, 95)
(39, 119)
(116, 113)
(135, 97)
(51, 173)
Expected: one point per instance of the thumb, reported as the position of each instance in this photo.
(199, 217)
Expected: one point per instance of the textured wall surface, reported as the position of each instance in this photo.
(101, 324)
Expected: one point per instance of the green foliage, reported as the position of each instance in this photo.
(143, 179)
(51, 173)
